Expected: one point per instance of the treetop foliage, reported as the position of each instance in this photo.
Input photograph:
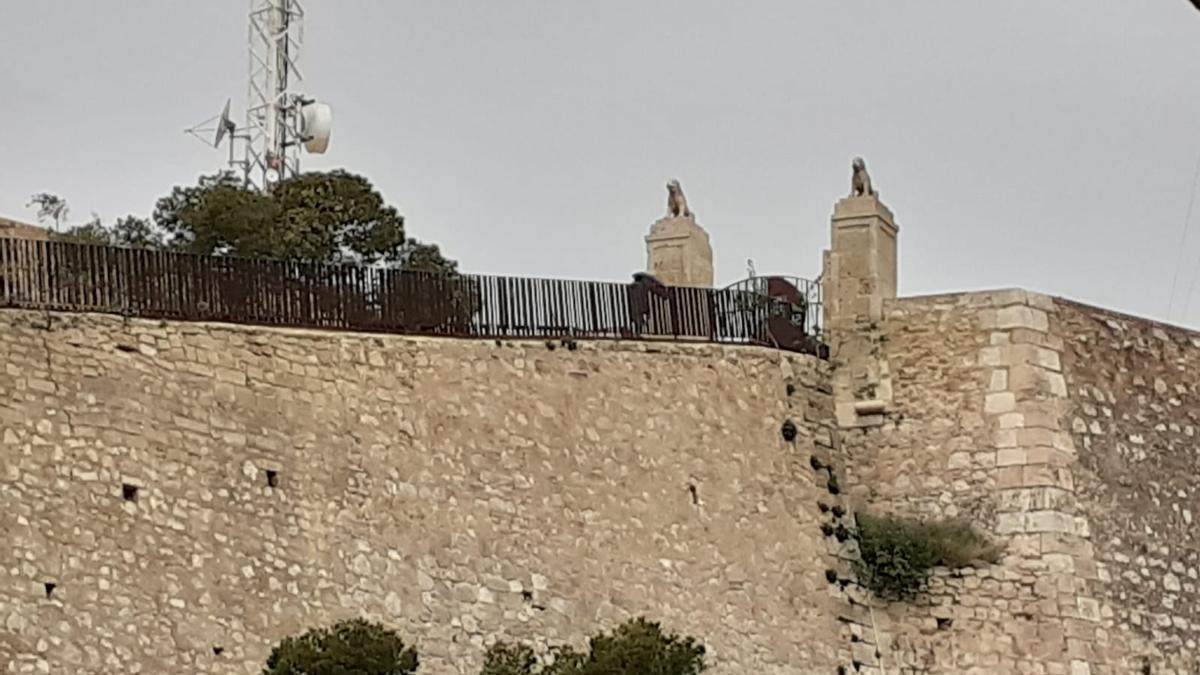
(637, 647)
(334, 216)
(357, 647)
(353, 647)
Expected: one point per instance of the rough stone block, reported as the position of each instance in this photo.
(1005, 438)
(1025, 336)
(1049, 521)
(1047, 358)
(999, 380)
(998, 403)
(1050, 456)
(1017, 296)
(1089, 609)
(1011, 421)
(1010, 523)
(1021, 316)
(1011, 457)
(994, 356)
(1029, 437)
(1010, 477)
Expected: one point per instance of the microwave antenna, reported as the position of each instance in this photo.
(279, 120)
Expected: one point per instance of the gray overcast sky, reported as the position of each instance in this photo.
(1047, 144)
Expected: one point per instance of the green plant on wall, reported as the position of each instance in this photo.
(897, 555)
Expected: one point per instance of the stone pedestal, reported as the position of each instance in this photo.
(678, 253)
(859, 274)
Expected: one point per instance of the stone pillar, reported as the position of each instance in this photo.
(859, 275)
(678, 252)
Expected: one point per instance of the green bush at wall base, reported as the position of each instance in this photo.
(353, 647)
(637, 647)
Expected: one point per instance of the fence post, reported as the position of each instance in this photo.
(674, 305)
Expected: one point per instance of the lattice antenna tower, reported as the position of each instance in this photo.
(275, 38)
(279, 120)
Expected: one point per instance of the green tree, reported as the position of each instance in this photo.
(337, 216)
(419, 257)
(138, 233)
(508, 659)
(128, 231)
(91, 232)
(168, 208)
(224, 219)
(50, 206)
(333, 216)
(329, 217)
(637, 647)
(353, 647)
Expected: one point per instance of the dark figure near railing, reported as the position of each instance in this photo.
(154, 284)
(644, 287)
(789, 317)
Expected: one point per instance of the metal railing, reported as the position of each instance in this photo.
(64, 276)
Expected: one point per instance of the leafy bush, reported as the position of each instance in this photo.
(897, 555)
(354, 647)
(637, 647)
(505, 659)
(957, 544)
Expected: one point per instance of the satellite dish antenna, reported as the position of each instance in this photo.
(316, 121)
(224, 126)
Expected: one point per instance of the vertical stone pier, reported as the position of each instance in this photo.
(859, 275)
(678, 252)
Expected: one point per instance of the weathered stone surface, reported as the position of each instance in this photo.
(860, 271)
(1067, 432)
(678, 252)
(461, 491)
(466, 490)
(1136, 383)
(974, 431)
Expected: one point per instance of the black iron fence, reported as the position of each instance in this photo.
(148, 283)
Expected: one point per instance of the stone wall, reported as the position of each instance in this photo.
(974, 430)
(178, 497)
(1134, 414)
(1070, 435)
(195, 492)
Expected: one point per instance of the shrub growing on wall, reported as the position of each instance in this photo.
(897, 555)
(637, 647)
(353, 647)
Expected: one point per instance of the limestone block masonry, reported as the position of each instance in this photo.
(1134, 415)
(678, 252)
(178, 497)
(860, 273)
(1064, 432)
(175, 498)
(973, 432)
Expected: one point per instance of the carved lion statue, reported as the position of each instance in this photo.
(676, 203)
(860, 180)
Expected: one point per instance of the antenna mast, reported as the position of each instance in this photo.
(278, 119)
(272, 120)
